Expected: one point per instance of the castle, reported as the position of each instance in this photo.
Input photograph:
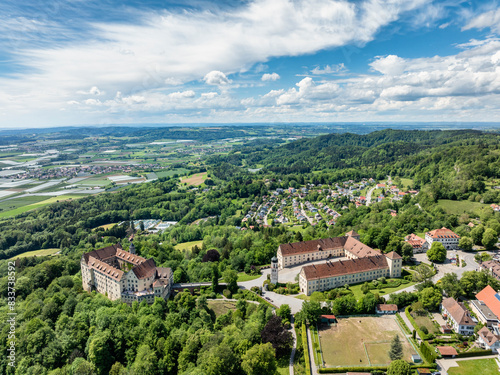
(124, 275)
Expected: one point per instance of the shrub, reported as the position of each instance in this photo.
(227, 293)
(424, 329)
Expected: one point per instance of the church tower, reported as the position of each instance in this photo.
(274, 270)
(131, 249)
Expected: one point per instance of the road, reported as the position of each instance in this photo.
(369, 195)
(267, 213)
(294, 347)
(304, 213)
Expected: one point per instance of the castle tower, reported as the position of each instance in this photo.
(274, 270)
(395, 263)
(131, 248)
(353, 234)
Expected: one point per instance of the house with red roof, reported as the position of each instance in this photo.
(418, 243)
(447, 237)
(458, 317)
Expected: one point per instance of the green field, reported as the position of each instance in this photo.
(94, 182)
(20, 202)
(474, 367)
(221, 307)
(185, 246)
(407, 183)
(242, 276)
(460, 207)
(356, 289)
(38, 204)
(36, 253)
(361, 341)
(425, 321)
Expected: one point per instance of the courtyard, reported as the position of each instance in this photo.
(361, 341)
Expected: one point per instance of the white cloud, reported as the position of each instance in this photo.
(489, 19)
(389, 65)
(136, 58)
(330, 69)
(270, 77)
(171, 81)
(94, 90)
(216, 77)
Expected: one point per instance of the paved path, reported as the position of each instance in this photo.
(294, 348)
(304, 213)
(314, 370)
(445, 364)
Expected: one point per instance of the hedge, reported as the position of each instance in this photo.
(333, 370)
(403, 324)
(427, 352)
(306, 349)
(475, 353)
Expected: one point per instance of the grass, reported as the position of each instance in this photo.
(356, 289)
(33, 206)
(186, 246)
(242, 276)
(94, 182)
(361, 341)
(283, 365)
(460, 207)
(36, 253)
(195, 180)
(475, 366)
(106, 226)
(20, 202)
(221, 307)
(425, 321)
(407, 183)
(171, 172)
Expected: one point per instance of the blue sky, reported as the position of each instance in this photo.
(102, 62)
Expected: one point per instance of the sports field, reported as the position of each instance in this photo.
(361, 341)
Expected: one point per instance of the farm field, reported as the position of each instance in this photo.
(475, 366)
(361, 341)
(171, 172)
(37, 204)
(195, 180)
(36, 253)
(459, 207)
(20, 202)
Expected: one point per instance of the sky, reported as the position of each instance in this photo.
(98, 62)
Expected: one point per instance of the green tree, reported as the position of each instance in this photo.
(430, 298)
(399, 367)
(437, 252)
(284, 312)
(490, 238)
(477, 234)
(396, 351)
(311, 310)
(231, 277)
(259, 359)
(465, 243)
(406, 251)
(215, 277)
(365, 288)
(424, 273)
(451, 285)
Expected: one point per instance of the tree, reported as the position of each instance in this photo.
(259, 359)
(407, 251)
(365, 288)
(311, 310)
(465, 243)
(298, 236)
(230, 277)
(424, 273)
(399, 367)
(477, 234)
(211, 256)
(141, 225)
(146, 361)
(437, 252)
(430, 298)
(490, 238)
(215, 277)
(284, 312)
(275, 333)
(396, 351)
(451, 285)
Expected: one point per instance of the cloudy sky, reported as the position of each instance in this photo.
(71, 62)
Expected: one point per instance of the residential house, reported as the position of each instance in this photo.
(488, 339)
(458, 317)
(386, 308)
(418, 243)
(492, 266)
(491, 298)
(483, 313)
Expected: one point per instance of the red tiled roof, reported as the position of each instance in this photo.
(352, 233)
(447, 350)
(312, 246)
(414, 240)
(145, 269)
(458, 312)
(487, 336)
(393, 255)
(358, 248)
(442, 233)
(345, 267)
(487, 295)
(328, 316)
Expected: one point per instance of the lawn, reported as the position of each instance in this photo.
(362, 341)
(185, 246)
(459, 207)
(242, 276)
(475, 366)
(221, 307)
(36, 253)
(106, 226)
(407, 183)
(356, 289)
(195, 180)
(425, 321)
